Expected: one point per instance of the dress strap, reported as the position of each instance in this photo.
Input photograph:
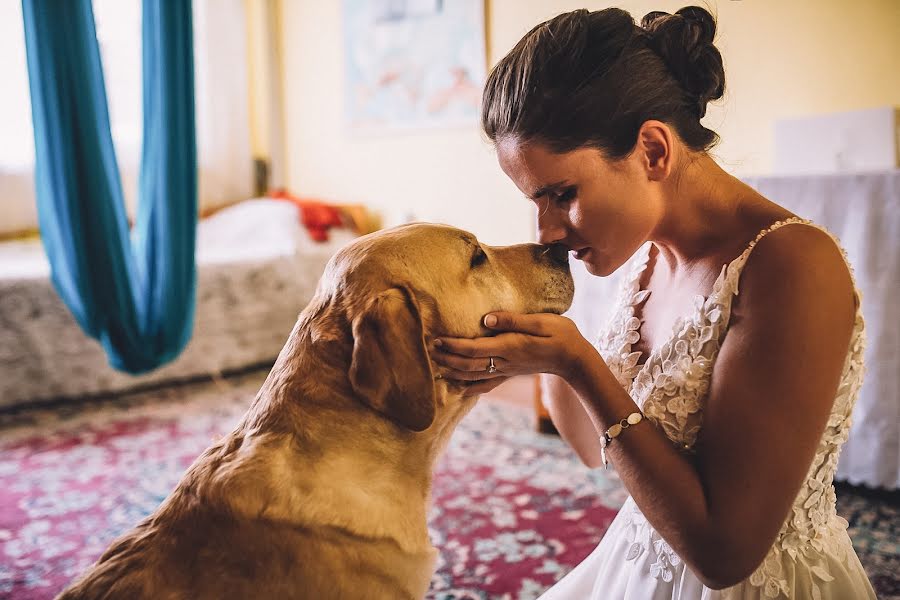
(727, 286)
(639, 264)
(629, 291)
(732, 271)
(773, 227)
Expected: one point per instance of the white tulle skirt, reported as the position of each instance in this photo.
(633, 562)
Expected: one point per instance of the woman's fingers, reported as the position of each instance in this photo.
(474, 348)
(533, 324)
(525, 343)
(464, 364)
(475, 375)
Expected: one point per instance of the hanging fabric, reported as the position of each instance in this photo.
(136, 296)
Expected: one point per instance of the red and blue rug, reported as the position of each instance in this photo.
(513, 510)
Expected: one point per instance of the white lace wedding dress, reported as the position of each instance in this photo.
(811, 558)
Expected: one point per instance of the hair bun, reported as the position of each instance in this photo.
(685, 43)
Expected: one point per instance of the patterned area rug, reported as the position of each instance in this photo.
(513, 510)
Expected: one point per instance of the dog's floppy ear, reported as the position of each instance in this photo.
(390, 369)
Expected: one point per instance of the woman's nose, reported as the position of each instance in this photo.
(550, 230)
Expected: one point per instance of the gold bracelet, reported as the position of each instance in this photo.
(614, 431)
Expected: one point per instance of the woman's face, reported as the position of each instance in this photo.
(603, 210)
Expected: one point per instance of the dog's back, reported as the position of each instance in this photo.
(189, 549)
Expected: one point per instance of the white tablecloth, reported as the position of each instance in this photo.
(863, 211)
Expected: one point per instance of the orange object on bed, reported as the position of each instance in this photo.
(318, 217)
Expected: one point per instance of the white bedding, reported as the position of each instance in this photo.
(256, 270)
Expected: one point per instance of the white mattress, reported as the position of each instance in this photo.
(257, 269)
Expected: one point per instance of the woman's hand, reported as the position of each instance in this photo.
(528, 343)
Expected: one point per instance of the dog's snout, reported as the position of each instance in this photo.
(557, 253)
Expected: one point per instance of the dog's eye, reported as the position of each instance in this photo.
(479, 258)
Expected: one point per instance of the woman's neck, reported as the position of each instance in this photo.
(707, 210)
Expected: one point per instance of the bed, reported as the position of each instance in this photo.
(257, 267)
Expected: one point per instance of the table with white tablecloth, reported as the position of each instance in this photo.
(863, 211)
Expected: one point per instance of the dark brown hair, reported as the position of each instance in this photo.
(591, 79)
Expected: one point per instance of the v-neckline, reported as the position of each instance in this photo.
(698, 301)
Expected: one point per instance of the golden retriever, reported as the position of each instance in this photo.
(321, 491)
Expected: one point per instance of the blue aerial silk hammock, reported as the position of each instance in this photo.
(136, 297)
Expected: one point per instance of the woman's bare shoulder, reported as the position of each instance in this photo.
(796, 279)
(796, 262)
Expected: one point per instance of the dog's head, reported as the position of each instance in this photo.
(402, 287)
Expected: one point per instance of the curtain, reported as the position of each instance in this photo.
(222, 105)
(135, 296)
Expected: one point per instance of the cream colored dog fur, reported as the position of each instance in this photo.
(321, 491)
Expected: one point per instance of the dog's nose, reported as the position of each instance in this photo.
(557, 253)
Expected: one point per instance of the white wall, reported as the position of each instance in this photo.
(783, 58)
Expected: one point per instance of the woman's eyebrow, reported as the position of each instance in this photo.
(544, 190)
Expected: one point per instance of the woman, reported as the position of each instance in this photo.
(723, 413)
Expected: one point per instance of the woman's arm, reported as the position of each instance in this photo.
(571, 419)
(771, 393)
(772, 390)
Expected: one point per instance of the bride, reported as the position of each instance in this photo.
(722, 388)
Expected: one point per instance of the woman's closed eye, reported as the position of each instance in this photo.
(564, 196)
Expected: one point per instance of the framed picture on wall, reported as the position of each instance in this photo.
(412, 64)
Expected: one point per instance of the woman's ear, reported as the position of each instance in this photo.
(656, 149)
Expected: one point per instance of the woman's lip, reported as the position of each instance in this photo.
(579, 254)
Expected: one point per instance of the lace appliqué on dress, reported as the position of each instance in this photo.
(671, 386)
(622, 331)
(665, 559)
